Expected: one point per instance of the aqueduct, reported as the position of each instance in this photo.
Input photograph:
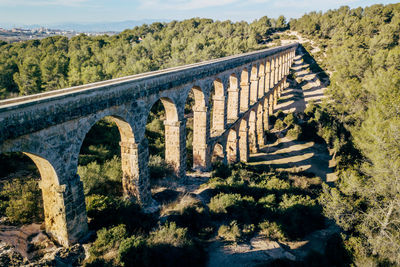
(50, 127)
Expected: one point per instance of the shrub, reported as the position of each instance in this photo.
(268, 201)
(97, 203)
(279, 125)
(230, 232)
(108, 239)
(295, 132)
(221, 202)
(133, 251)
(290, 119)
(280, 114)
(300, 216)
(158, 168)
(183, 204)
(275, 183)
(102, 179)
(272, 230)
(170, 234)
(290, 201)
(22, 201)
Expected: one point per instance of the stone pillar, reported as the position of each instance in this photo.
(281, 66)
(175, 149)
(260, 125)
(272, 74)
(275, 96)
(253, 144)
(244, 144)
(218, 114)
(232, 149)
(201, 155)
(261, 85)
(64, 210)
(271, 103)
(135, 172)
(253, 90)
(244, 96)
(233, 105)
(267, 76)
(276, 79)
(266, 114)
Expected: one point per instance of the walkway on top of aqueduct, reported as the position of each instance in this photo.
(50, 127)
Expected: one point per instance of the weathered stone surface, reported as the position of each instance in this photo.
(50, 127)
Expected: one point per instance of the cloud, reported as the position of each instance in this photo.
(42, 2)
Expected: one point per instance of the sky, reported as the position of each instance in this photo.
(60, 11)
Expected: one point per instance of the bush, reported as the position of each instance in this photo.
(170, 234)
(295, 132)
(272, 230)
(102, 179)
(108, 239)
(221, 202)
(274, 183)
(268, 201)
(279, 125)
(133, 251)
(230, 232)
(290, 119)
(158, 168)
(22, 201)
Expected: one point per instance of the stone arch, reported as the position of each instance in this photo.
(201, 159)
(233, 99)
(244, 140)
(218, 108)
(253, 144)
(244, 90)
(174, 132)
(218, 153)
(254, 84)
(134, 160)
(54, 204)
(232, 146)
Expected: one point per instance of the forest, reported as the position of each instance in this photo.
(360, 48)
(58, 62)
(357, 48)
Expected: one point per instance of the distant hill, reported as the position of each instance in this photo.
(117, 26)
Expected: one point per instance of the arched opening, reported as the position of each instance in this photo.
(30, 194)
(164, 135)
(254, 85)
(244, 90)
(233, 99)
(113, 170)
(217, 108)
(253, 132)
(218, 155)
(232, 147)
(100, 165)
(196, 132)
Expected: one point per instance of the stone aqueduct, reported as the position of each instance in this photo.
(50, 127)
